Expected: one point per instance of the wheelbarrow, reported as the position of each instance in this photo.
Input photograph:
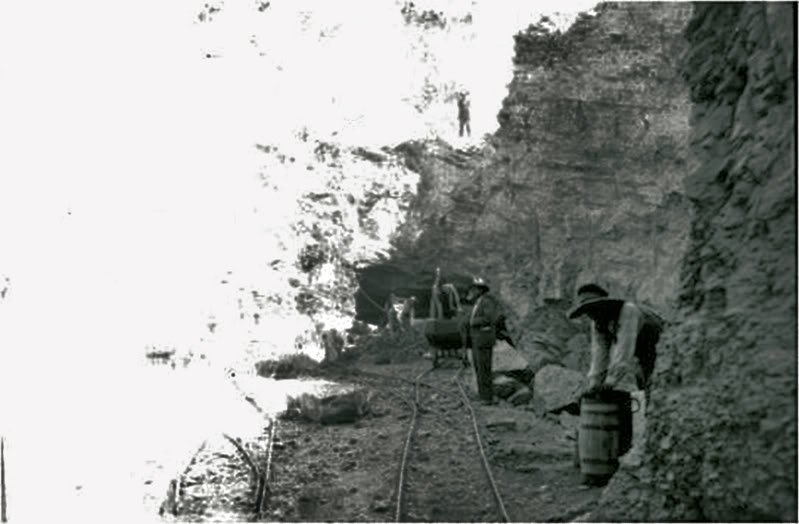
(447, 339)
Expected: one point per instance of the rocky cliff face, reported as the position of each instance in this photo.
(722, 443)
(649, 148)
(583, 180)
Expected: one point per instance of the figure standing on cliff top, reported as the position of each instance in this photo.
(463, 113)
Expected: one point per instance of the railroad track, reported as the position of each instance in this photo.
(486, 465)
(442, 409)
(445, 473)
(442, 465)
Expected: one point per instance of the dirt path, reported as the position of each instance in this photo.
(445, 479)
(350, 472)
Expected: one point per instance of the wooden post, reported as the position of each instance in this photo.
(2, 480)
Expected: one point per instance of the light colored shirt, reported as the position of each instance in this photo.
(614, 363)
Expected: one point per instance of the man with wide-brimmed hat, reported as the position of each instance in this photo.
(623, 340)
(483, 320)
(624, 337)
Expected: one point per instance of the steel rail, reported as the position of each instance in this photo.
(407, 446)
(172, 502)
(486, 465)
(261, 475)
(263, 487)
(244, 454)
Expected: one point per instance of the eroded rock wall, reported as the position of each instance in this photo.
(583, 180)
(722, 440)
(595, 125)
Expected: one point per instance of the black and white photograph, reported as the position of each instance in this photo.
(398, 261)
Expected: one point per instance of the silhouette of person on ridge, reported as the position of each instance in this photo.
(463, 113)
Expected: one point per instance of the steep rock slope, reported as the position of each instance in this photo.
(722, 442)
(583, 180)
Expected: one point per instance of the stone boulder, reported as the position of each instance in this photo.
(578, 353)
(536, 358)
(557, 388)
(551, 344)
(337, 408)
(506, 358)
(547, 327)
(505, 386)
(522, 396)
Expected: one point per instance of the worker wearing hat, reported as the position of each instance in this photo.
(483, 321)
(623, 340)
(624, 337)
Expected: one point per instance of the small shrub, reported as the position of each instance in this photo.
(307, 303)
(311, 256)
(288, 366)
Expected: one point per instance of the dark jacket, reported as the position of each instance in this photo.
(463, 109)
(483, 321)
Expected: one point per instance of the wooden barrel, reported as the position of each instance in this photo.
(599, 439)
